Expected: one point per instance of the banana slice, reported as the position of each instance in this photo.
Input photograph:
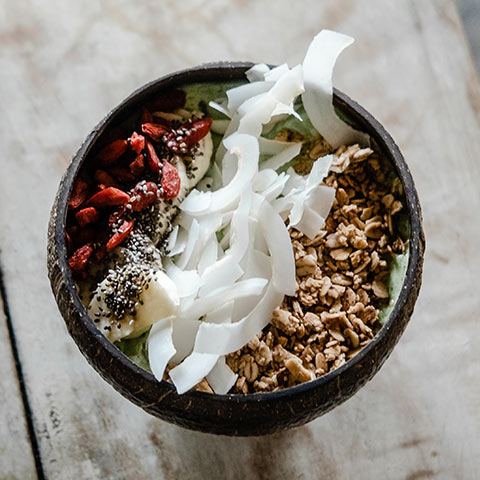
(158, 299)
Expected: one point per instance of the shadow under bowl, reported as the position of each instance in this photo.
(233, 414)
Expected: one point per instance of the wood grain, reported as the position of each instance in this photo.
(16, 460)
(66, 63)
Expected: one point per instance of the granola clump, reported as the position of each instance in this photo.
(342, 281)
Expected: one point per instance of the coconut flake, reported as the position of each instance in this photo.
(283, 157)
(193, 235)
(197, 201)
(299, 188)
(208, 226)
(276, 188)
(160, 347)
(275, 73)
(258, 265)
(223, 273)
(219, 296)
(192, 370)
(318, 97)
(239, 235)
(263, 179)
(281, 251)
(310, 223)
(284, 91)
(224, 339)
(184, 332)
(245, 147)
(221, 314)
(220, 106)
(186, 281)
(321, 199)
(289, 86)
(221, 378)
(209, 255)
(238, 95)
(257, 72)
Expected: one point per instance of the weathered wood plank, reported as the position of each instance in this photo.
(16, 458)
(419, 416)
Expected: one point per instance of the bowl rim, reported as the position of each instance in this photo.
(203, 73)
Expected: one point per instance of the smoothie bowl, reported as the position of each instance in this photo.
(237, 248)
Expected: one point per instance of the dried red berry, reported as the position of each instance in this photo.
(109, 197)
(188, 135)
(170, 182)
(79, 194)
(136, 142)
(120, 235)
(152, 158)
(87, 215)
(112, 152)
(116, 215)
(138, 165)
(144, 194)
(78, 261)
(155, 131)
(122, 174)
(102, 177)
(198, 130)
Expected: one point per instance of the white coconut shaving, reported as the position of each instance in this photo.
(230, 253)
(317, 99)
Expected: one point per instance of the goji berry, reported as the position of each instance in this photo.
(112, 152)
(155, 131)
(79, 194)
(170, 182)
(78, 261)
(109, 197)
(143, 195)
(138, 165)
(120, 235)
(136, 142)
(102, 177)
(188, 135)
(122, 174)
(87, 215)
(116, 215)
(198, 130)
(152, 158)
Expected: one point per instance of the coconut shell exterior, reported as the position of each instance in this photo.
(252, 414)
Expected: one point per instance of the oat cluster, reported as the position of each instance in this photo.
(342, 278)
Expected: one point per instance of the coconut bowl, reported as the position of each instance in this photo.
(231, 414)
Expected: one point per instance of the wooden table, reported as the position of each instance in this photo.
(64, 64)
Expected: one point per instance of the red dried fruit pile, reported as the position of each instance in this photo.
(126, 177)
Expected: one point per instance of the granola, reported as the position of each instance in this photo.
(342, 281)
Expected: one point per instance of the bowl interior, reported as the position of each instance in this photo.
(231, 413)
